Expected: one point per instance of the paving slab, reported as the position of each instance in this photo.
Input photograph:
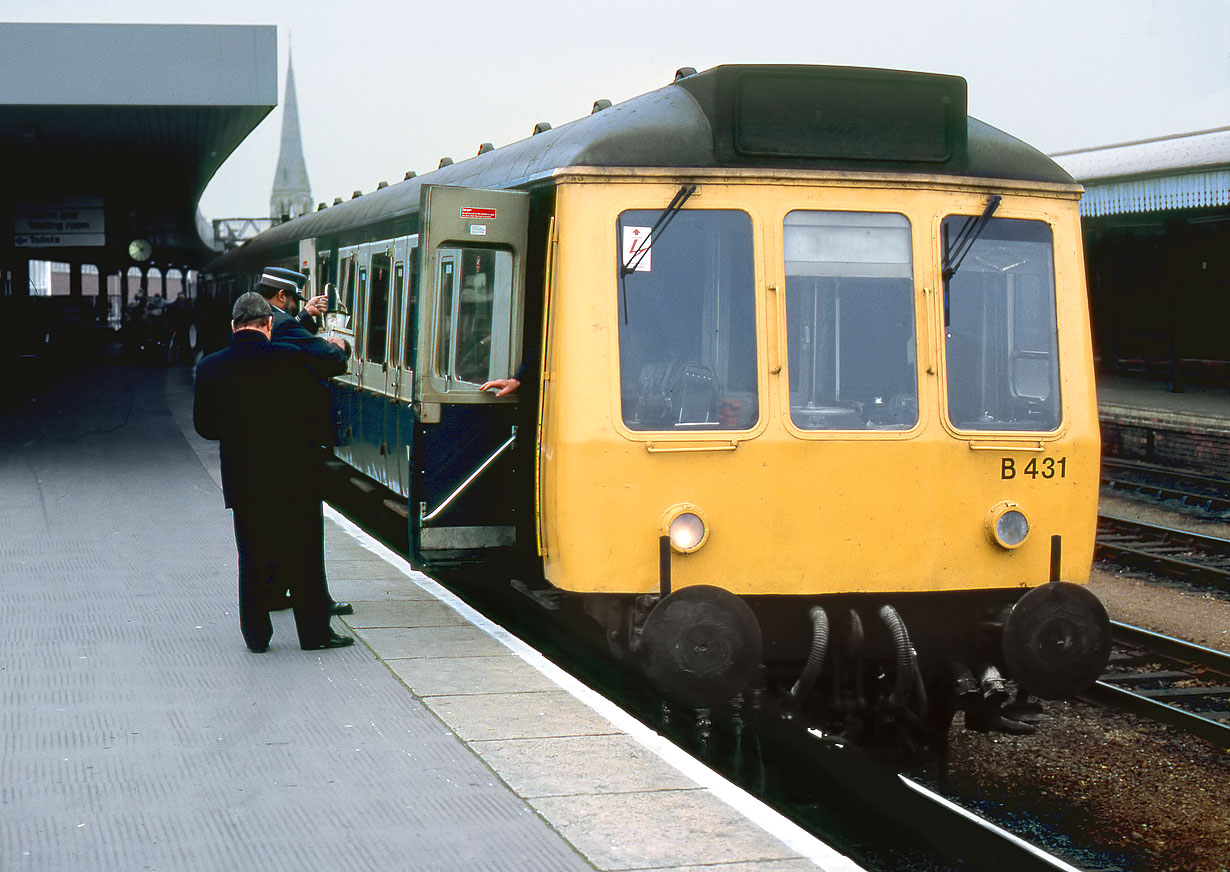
(672, 827)
(586, 764)
(454, 676)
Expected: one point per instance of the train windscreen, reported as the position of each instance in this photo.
(1001, 337)
(850, 321)
(687, 321)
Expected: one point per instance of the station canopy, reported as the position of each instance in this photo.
(1183, 171)
(109, 134)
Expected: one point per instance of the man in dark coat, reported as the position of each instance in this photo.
(260, 399)
(283, 288)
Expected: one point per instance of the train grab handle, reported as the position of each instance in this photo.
(428, 516)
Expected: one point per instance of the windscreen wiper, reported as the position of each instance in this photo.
(659, 226)
(970, 231)
(954, 253)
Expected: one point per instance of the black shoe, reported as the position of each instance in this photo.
(341, 609)
(258, 649)
(333, 640)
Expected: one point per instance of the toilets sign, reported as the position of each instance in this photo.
(62, 222)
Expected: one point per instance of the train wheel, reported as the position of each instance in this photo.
(1057, 640)
(701, 645)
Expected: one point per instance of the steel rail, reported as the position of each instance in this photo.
(1033, 851)
(1196, 491)
(1167, 550)
(1108, 692)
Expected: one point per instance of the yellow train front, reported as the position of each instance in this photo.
(807, 403)
(777, 400)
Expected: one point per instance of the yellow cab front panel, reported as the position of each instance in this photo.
(785, 360)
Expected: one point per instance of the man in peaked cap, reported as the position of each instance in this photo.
(283, 288)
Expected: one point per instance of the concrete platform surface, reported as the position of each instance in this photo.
(1131, 399)
(139, 733)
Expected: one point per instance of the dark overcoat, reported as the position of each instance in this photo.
(270, 411)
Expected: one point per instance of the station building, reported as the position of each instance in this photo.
(1156, 217)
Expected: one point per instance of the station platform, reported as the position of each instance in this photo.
(140, 733)
(1142, 420)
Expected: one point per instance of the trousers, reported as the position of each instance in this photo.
(287, 545)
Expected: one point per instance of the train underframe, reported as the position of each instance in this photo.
(868, 667)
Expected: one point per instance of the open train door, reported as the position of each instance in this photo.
(464, 481)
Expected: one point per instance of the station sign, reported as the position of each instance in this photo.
(60, 222)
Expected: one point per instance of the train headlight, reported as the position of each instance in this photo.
(686, 527)
(1007, 525)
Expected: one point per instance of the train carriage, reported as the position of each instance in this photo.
(807, 397)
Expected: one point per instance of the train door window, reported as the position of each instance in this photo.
(399, 275)
(360, 296)
(378, 308)
(411, 308)
(474, 315)
(850, 321)
(324, 274)
(347, 278)
(1001, 335)
(446, 284)
(687, 322)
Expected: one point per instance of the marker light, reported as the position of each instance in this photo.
(1007, 525)
(686, 528)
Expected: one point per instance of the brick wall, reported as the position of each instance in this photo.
(1191, 445)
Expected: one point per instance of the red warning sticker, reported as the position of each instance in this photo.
(475, 213)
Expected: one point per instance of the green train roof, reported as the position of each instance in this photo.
(769, 117)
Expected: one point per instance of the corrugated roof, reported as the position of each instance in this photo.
(1184, 171)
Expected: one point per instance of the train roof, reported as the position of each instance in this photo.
(736, 116)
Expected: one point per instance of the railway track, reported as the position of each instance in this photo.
(1167, 551)
(1167, 680)
(1185, 490)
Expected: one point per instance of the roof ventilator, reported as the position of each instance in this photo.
(541, 127)
(599, 105)
(684, 72)
(486, 147)
(445, 162)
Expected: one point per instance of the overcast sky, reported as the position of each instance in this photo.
(386, 86)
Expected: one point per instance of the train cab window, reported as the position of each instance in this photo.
(1001, 335)
(474, 315)
(850, 321)
(687, 322)
(378, 308)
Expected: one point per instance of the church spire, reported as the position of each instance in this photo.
(292, 193)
